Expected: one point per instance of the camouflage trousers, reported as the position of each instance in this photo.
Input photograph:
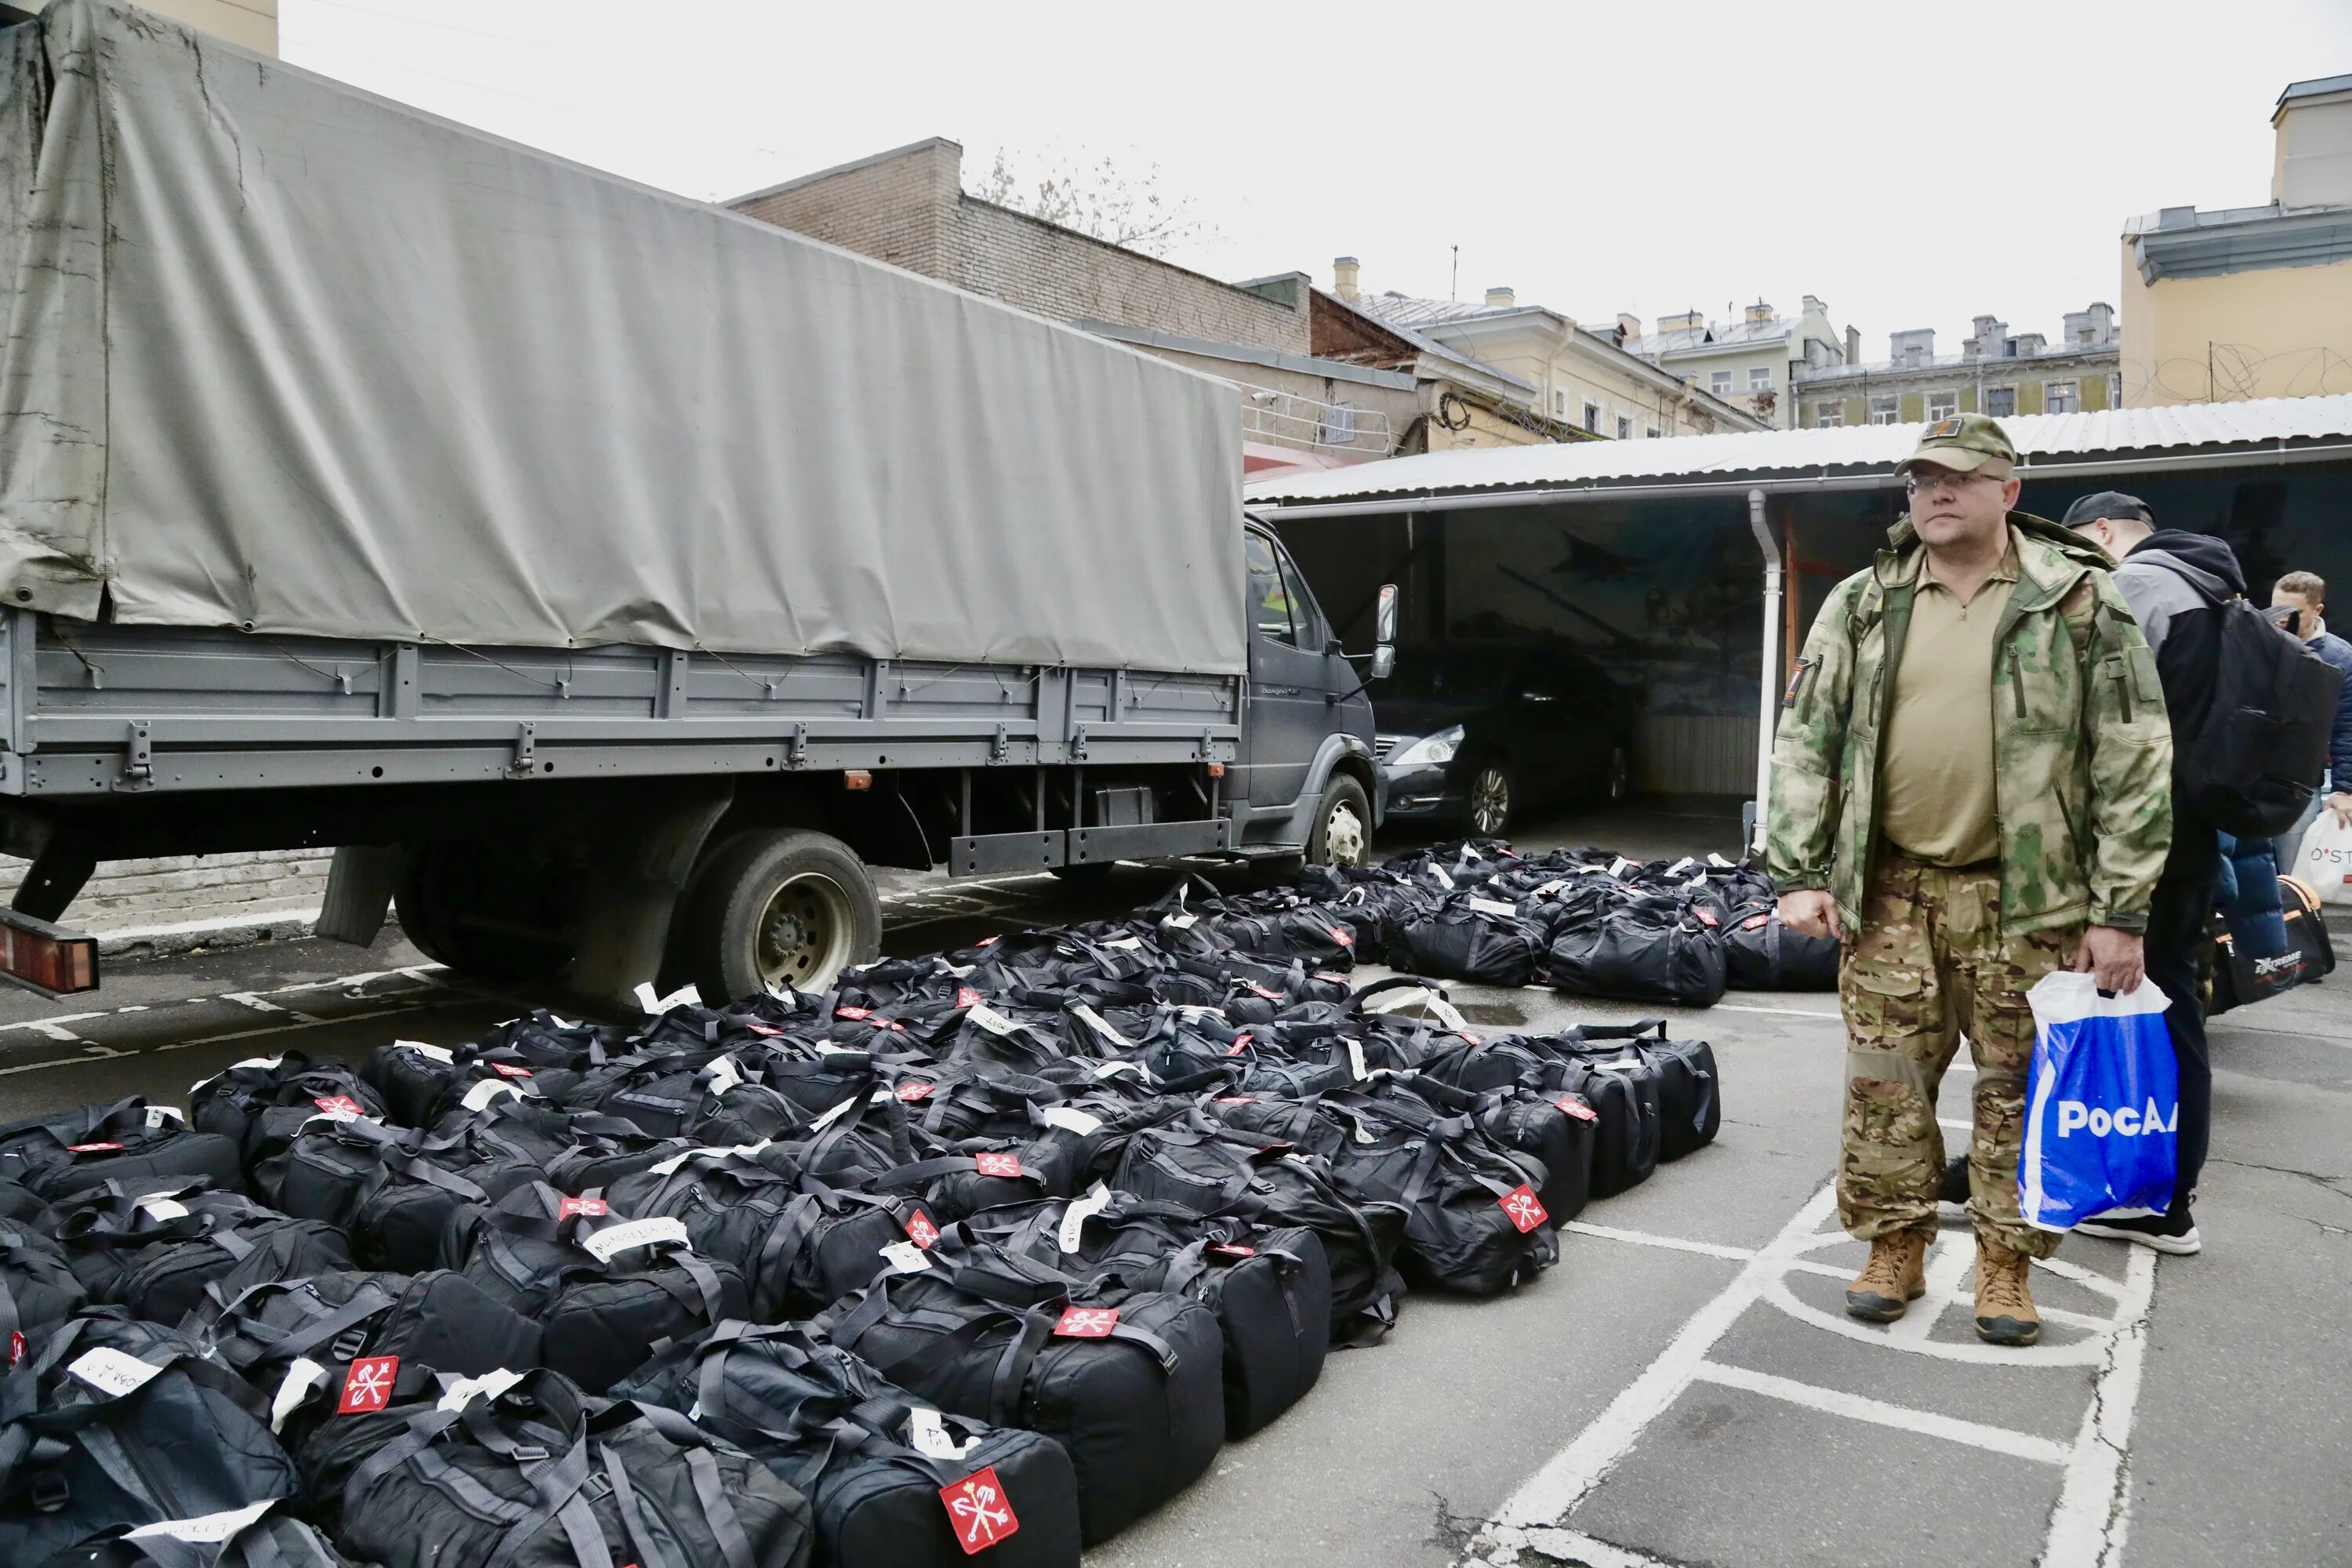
(1929, 965)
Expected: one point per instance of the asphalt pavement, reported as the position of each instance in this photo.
(1682, 1388)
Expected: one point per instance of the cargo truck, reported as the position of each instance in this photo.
(611, 578)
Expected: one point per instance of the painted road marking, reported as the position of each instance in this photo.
(1788, 1012)
(2088, 1525)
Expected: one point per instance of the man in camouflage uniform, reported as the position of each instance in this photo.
(1970, 788)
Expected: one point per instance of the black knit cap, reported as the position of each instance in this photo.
(2107, 504)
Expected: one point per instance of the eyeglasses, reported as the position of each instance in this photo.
(1918, 483)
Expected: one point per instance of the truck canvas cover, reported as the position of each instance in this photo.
(286, 356)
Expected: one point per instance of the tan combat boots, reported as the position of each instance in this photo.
(1895, 1275)
(2005, 1314)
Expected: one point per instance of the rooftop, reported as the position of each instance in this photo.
(1867, 452)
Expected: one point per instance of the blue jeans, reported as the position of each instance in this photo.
(2286, 845)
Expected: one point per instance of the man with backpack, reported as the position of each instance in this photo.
(2299, 603)
(1969, 787)
(2177, 584)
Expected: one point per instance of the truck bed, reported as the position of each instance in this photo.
(92, 710)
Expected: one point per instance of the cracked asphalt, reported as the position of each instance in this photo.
(1684, 1378)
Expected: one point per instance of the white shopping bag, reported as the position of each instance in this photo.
(2323, 860)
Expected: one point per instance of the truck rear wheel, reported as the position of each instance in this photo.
(777, 906)
(1343, 825)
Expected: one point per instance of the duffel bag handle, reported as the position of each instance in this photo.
(1620, 1031)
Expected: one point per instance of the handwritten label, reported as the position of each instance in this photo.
(112, 1372)
(431, 1053)
(489, 1385)
(489, 1089)
(1071, 1119)
(1491, 906)
(614, 1241)
(1094, 1021)
(205, 1530)
(926, 1434)
(905, 1257)
(989, 1019)
(1075, 1217)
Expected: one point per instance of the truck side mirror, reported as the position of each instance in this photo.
(1383, 661)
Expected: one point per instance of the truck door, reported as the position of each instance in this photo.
(1289, 712)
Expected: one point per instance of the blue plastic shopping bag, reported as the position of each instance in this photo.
(2101, 1104)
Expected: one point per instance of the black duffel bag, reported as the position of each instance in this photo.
(129, 1141)
(39, 1288)
(1762, 953)
(439, 1320)
(1644, 950)
(391, 1189)
(263, 1102)
(1474, 1224)
(1132, 1390)
(891, 1480)
(540, 1477)
(1690, 1104)
(154, 1253)
(111, 1421)
(605, 1290)
(264, 1536)
(1473, 938)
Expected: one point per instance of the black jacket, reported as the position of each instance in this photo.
(2174, 582)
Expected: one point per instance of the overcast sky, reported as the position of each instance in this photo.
(1912, 164)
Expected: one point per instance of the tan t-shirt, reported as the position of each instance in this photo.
(1936, 763)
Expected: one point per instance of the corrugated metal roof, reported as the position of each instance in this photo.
(2040, 438)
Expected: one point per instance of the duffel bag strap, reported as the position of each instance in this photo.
(328, 1325)
(625, 1502)
(1620, 1031)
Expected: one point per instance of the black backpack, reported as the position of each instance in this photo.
(2252, 767)
(829, 1425)
(110, 1422)
(540, 1477)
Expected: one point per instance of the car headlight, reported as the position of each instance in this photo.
(1430, 751)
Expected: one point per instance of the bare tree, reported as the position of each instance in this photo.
(1096, 196)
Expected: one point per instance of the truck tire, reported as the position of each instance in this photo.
(1343, 825)
(447, 894)
(776, 905)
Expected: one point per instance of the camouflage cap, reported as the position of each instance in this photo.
(1962, 443)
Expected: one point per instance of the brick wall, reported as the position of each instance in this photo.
(907, 207)
(260, 887)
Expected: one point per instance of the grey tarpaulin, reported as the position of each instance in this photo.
(285, 354)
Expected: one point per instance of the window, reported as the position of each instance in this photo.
(1339, 425)
(1943, 404)
(2001, 402)
(1828, 415)
(1269, 599)
(1649, 432)
(1624, 428)
(2061, 396)
(1719, 383)
(1760, 378)
(2114, 389)
(1560, 405)
(1592, 418)
(1886, 410)
(1309, 625)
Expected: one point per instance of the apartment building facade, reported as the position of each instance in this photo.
(1997, 372)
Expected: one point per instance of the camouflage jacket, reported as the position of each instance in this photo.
(2083, 760)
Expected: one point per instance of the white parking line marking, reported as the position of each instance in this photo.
(2086, 1528)
(259, 1004)
(1903, 1418)
(1791, 1012)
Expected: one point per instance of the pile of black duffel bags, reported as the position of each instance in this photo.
(982, 1253)
(1585, 922)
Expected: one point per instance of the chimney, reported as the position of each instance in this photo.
(1343, 277)
(1991, 331)
(2312, 127)
(1688, 321)
(1912, 348)
(1628, 325)
(1504, 298)
(1813, 306)
(1760, 314)
(1854, 345)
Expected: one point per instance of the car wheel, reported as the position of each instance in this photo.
(1490, 800)
(1617, 777)
(1343, 826)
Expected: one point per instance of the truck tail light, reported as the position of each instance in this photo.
(45, 958)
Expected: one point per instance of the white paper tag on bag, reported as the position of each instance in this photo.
(616, 1239)
(1439, 872)
(163, 1210)
(1620, 866)
(434, 1053)
(1181, 923)
(989, 1019)
(482, 1093)
(1075, 1217)
(1492, 906)
(1356, 1060)
(112, 1372)
(160, 1116)
(684, 996)
(722, 1075)
(1071, 1119)
(206, 1530)
(905, 1258)
(1125, 944)
(1677, 869)
(1549, 888)
(1100, 1025)
(300, 1378)
(489, 1385)
(1112, 1070)
(1717, 861)
(926, 1434)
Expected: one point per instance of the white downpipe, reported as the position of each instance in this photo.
(1769, 673)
